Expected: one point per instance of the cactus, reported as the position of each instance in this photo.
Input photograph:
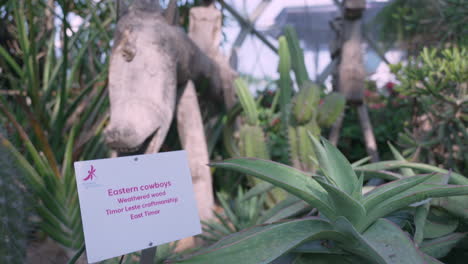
(252, 138)
(306, 115)
(285, 83)
(252, 142)
(13, 214)
(247, 102)
(305, 103)
(297, 56)
(300, 114)
(331, 108)
(303, 119)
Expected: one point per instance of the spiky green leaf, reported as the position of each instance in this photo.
(335, 166)
(383, 192)
(344, 204)
(261, 244)
(292, 180)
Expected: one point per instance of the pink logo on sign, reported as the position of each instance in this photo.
(91, 174)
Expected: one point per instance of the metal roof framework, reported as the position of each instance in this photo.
(247, 24)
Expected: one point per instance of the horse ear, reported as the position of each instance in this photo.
(172, 13)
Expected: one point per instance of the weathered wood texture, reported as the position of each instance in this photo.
(355, 4)
(368, 133)
(152, 63)
(192, 137)
(351, 69)
(349, 75)
(205, 30)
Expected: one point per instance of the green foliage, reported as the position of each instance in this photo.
(352, 223)
(55, 111)
(389, 111)
(284, 83)
(437, 82)
(298, 113)
(252, 139)
(419, 23)
(238, 214)
(14, 211)
(303, 119)
(333, 107)
(297, 56)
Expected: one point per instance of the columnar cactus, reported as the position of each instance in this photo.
(252, 141)
(300, 114)
(13, 214)
(297, 56)
(302, 122)
(331, 108)
(252, 138)
(307, 116)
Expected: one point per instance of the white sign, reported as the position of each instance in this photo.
(135, 202)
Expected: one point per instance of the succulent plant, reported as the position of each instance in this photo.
(300, 113)
(252, 138)
(306, 114)
(353, 227)
(303, 121)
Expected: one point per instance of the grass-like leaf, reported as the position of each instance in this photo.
(405, 171)
(258, 189)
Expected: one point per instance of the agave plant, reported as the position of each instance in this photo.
(247, 210)
(238, 214)
(351, 227)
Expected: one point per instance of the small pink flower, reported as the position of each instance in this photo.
(377, 106)
(390, 86)
(367, 93)
(274, 122)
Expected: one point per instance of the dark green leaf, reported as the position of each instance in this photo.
(392, 243)
(440, 247)
(262, 244)
(292, 180)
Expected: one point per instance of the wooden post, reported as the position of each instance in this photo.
(205, 30)
(349, 74)
(148, 255)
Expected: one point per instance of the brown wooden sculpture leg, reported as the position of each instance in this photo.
(192, 137)
(368, 133)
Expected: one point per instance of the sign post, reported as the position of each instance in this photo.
(147, 255)
(135, 203)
